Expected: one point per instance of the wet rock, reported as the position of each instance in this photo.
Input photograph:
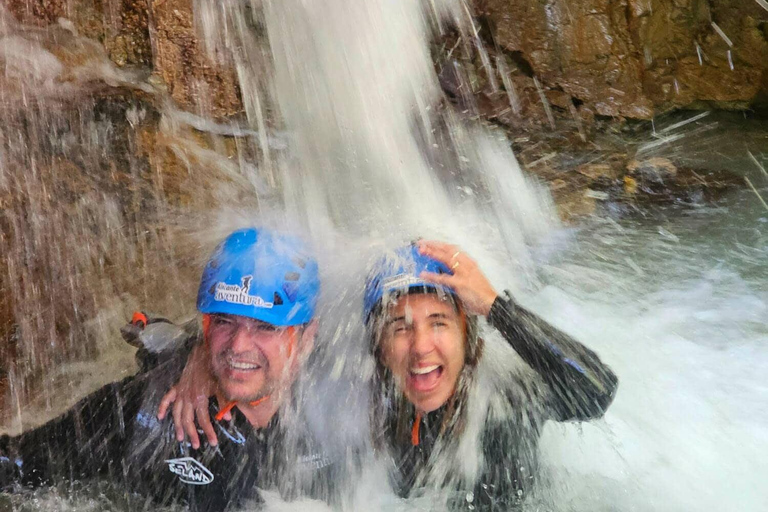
(573, 205)
(630, 195)
(121, 27)
(159, 35)
(699, 186)
(658, 182)
(656, 170)
(79, 230)
(634, 58)
(583, 48)
(194, 79)
(598, 172)
(56, 62)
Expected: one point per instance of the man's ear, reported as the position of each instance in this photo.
(307, 341)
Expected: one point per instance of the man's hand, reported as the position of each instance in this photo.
(468, 281)
(190, 399)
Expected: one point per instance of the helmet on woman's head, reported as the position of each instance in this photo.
(260, 274)
(397, 273)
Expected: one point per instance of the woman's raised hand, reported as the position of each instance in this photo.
(468, 281)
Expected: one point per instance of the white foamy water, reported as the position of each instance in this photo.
(685, 329)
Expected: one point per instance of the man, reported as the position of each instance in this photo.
(257, 296)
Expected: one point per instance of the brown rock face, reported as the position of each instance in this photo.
(158, 33)
(120, 26)
(194, 80)
(627, 58)
(634, 58)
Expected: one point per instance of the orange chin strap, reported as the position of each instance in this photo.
(415, 430)
(292, 333)
(222, 412)
(206, 326)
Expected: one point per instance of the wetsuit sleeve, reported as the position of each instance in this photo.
(582, 387)
(87, 440)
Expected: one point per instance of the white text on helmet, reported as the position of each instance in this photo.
(238, 294)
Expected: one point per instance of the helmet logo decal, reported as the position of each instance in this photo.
(239, 294)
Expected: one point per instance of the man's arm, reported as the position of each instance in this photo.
(87, 440)
(582, 386)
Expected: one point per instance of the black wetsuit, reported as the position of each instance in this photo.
(578, 387)
(114, 434)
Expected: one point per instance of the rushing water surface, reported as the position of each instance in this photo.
(354, 147)
(678, 305)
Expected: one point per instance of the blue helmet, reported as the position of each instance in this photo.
(260, 274)
(398, 272)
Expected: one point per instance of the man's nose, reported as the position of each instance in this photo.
(423, 341)
(242, 340)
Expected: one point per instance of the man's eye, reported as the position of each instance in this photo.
(220, 320)
(439, 324)
(267, 328)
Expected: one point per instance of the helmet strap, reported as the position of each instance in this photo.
(206, 326)
(292, 338)
(415, 429)
(231, 405)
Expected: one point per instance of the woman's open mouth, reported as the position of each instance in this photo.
(424, 378)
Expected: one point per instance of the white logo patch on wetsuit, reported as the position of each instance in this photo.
(239, 294)
(190, 471)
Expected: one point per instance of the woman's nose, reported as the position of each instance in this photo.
(423, 342)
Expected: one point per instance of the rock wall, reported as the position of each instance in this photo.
(627, 58)
(637, 58)
(99, 184)
(158, 36)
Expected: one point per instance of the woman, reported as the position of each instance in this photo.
(421, 309)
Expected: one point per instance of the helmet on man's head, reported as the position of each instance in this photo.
(397, 273)
(260, 274)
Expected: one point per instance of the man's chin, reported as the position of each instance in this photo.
(240, 392)
(241, 397)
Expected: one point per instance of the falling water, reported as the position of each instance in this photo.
(348, 138)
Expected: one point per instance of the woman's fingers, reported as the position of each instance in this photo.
(178, 409)
(441, 251)
(467, 280)
(448, 254)
(204, 419)
(188, 421)
(166, 402)
(184, 416)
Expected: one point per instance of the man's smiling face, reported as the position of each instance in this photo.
(250, 359)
